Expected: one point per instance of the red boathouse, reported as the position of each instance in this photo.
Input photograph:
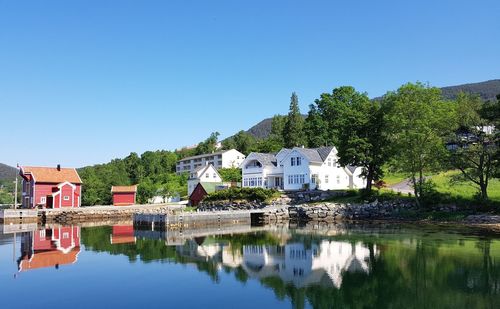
(50, 187)
(124, 195)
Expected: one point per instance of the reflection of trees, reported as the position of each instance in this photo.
(407, 272)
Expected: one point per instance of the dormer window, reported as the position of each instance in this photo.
(299, 161)
(292, 161)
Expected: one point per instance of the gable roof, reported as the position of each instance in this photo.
(266, 159)
(52, 174)
(315, 155)
(124, 189)
(351, 168)
(202, 169)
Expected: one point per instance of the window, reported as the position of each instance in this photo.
(314, 178)
(299, 160)
(326, 178)
(65, 235)
(329, 161)
(252, 182)
(292, 161)
(338, 179)
(206, 175)
(42, 233)
(66, 198)
(215, 176)
(43, 199)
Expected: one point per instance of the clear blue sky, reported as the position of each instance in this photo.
(83, 82)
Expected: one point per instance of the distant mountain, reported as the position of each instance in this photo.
(7, 172)
(487, 90)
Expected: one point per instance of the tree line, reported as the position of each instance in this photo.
(413, 130)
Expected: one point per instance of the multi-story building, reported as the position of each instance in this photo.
(221, 159)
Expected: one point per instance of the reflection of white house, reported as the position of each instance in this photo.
(300, 168)
(205, 173)
(322, 263)
(221, 159)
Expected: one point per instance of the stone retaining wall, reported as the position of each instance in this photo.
(88, 214)
(336, 212)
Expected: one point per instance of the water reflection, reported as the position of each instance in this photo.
(49, 247)
(321, 264)
(349, 268)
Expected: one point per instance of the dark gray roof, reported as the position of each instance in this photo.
(316, 155)
(351, 168)
(266, 159)
(324, 152)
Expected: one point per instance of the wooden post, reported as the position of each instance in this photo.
(15, 190)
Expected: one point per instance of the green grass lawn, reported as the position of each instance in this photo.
(445, 184)
(393, 178)
(463, 189)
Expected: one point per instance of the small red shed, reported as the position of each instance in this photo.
(124, 195)
(202, 189)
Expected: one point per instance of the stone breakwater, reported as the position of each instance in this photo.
(86, 214)
(338, 212)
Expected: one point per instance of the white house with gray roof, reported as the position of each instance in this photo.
(203, 174)
(300, 168)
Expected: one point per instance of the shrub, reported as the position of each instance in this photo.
(236, 193)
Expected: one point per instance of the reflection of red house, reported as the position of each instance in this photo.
(122, 234)
(49, 248)
(50, 187)
(124, 195)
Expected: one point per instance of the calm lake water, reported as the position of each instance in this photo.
(354, 266)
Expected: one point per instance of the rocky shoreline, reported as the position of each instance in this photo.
(286, 210)
(395, 210)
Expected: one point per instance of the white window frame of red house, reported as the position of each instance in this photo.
(43, 200)
(66, 198)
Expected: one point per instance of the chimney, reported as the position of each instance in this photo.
(59, 167)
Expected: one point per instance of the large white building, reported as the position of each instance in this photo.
(298, 169)
(221, 159)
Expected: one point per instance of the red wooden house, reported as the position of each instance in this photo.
(50, 187)
(202, 189)
(49, 248)
(124, 195)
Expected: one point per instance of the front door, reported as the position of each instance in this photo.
(50, 201)
(277, 182)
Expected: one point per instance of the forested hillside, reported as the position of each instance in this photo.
(7, 172)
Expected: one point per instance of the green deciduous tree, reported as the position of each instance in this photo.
(293, 132)
(230, 174)
(315, 128)
(241, 141)
(474, 145)
(362, 136)
(209, 145)
(419, 121)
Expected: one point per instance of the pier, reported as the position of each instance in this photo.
(8, 216)
(184, 220)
